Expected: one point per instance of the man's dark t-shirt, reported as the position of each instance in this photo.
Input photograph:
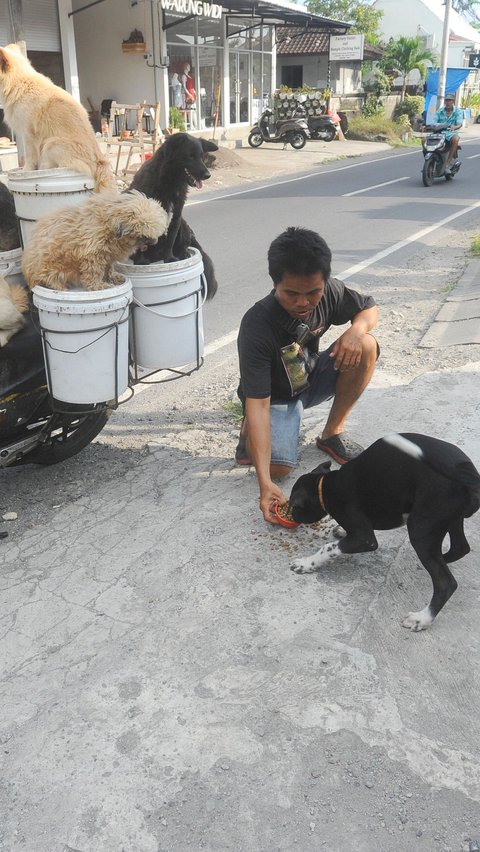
(272, 363)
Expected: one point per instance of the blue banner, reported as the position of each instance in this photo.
(455, 78)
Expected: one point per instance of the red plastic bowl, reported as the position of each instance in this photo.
(284, 521)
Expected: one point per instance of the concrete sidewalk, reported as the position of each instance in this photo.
(169, 685)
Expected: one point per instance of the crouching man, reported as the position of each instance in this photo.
(281, 369)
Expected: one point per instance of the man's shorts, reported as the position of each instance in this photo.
(286, 417)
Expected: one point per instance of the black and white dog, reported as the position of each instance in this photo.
(429, 484)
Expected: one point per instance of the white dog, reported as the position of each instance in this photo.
(55, 128)
(78, 246)
(13, 303)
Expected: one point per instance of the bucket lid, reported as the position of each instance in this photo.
(53, 180)
(83, 301)
(13, 254)
(127, 267)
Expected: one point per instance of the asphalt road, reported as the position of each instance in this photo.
(362, 208)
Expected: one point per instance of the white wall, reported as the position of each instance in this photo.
(343, 79)
(417, 18)
(99, 32)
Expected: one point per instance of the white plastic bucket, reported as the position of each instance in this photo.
(11, 266)
(39, 192)
(85, 342)
(167, 316)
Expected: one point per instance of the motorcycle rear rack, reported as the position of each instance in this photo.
(136, 374)
(137, 379)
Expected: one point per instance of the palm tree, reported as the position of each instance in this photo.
(405, 54)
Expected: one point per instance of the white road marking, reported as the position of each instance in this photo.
(354, 270)
(473, 156)
(298, 177)
(374, 186)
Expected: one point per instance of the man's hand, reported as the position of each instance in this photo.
(347, 350)
(269, 495)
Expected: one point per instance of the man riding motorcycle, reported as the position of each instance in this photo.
(453, 116)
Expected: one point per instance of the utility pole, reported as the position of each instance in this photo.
(16, 24)
(442, 75)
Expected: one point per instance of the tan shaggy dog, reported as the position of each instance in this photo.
(78, 246)
(55, 128)
(13, 303)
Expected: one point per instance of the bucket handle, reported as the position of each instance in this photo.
(104, 329)
(8, 270)
(203, 289)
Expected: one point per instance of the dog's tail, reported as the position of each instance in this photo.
(13, 302)
(19, 297)
(458, 468)
(104, 177)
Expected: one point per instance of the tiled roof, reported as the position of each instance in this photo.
(305, 42)
(292, 41)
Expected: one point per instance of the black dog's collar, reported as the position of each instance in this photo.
(320, 494)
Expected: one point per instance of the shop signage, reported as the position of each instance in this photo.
(474, 60)
(346, 47)
(193, 7)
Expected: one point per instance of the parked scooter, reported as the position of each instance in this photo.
(435, 152)
(322, 127)
(30, 430)
(293, 131)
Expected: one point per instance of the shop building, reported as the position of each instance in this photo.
(216, 63)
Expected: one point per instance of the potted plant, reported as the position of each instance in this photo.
(176, 121)
(135, 43)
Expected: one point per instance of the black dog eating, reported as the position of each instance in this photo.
(167, 176)
(429, 484)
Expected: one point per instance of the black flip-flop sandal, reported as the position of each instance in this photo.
(339, 447)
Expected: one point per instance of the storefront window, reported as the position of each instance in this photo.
(239, 33)
(195, 70)
(267, 77)
(210, 86)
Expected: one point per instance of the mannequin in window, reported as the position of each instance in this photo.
(178, 98)
(190, 95)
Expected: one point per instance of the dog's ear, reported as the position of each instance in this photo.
(322, 468)
(4, 60)
(208, 145)
(122, 229)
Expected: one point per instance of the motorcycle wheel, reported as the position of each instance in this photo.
(428, 172)
(298, 140)
(255, 139)
(69, 434)
(329, 135)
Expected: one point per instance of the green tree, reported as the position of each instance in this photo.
(405, 54)
(362, 15)
(468, 9)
